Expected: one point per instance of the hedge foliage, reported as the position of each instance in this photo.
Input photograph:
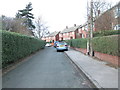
(106, 33)
(106, 44)
(78, 43)
(16, 46)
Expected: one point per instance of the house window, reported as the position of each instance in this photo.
(71, 37)
(80, 35)
(83, 36)
(62, 38)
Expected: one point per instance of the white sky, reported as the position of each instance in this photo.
(57, 13)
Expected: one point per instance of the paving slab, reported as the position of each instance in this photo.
(102, 75)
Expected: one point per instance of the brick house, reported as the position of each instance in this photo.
(54, 36)
(83, 31)
(69, 33)
(109, 19)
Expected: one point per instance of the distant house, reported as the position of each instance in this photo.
(83, 31)
(77, 31)
(109, 20)
(69, 33)
(54, 36)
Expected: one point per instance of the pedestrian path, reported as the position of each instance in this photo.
(98, 72)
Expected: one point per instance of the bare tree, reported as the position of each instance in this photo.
(104, 22)
(99, 6)
(6, 23)
(41, 30)
(15, 25)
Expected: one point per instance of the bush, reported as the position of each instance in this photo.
(106, 44)
(16, 46)
(78, 43)
(106, 33)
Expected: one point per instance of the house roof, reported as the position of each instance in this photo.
(53, 34)
(71, 29)
(117, 5)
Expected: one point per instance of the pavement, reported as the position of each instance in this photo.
(102, 75)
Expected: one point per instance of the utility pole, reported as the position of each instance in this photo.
(91, 29)
(88, 26)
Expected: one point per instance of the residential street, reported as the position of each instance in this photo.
(46, 69)
(60, 44)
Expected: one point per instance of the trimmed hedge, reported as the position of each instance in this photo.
(78, 43)
(106, 33)
(106, 44)
(16, 46)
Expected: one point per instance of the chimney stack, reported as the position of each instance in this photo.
(66, 27)
(98, 12)
(74, 25)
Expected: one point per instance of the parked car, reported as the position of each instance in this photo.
(117, 27)
(48, 45)
(62, 46)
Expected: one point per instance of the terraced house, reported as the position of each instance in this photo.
(69, 33)
(83, 31)
(77, 31)
(54, 36)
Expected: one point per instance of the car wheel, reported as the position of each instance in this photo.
(66, 49)
(57, 50)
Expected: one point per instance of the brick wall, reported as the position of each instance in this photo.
(109, 58)
(81, 50)
(105, 57)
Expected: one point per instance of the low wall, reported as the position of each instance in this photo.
(109, 58)
(105, 57)
(81, 50)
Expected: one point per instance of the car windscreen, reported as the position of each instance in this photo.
(61, 43)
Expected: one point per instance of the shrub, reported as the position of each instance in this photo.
(16, 46)
(106, 44)
(106, 33)
(78, 43)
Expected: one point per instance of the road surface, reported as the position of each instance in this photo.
(46, 69)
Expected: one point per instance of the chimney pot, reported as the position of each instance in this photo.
(74, 25)
(66, 27)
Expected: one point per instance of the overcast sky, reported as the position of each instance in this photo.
(56, 13)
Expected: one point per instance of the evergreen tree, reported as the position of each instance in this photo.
(27, 15)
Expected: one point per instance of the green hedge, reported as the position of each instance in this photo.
(106, 33)
(16, 46)
(78, 43)
(106, 44)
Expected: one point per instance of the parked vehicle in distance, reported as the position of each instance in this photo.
(48, 45)
(62, 46)
(117, 27)
(55, 43)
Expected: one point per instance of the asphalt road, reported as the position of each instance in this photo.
(46, 69)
